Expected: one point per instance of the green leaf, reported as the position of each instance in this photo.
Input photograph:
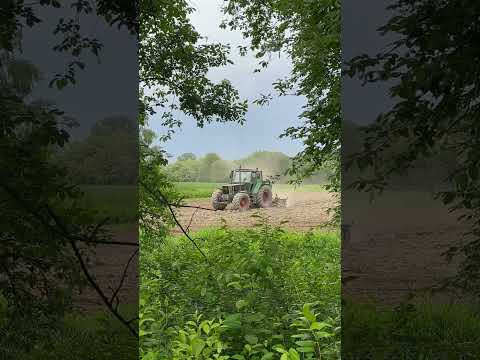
(268, 356)
(197, 346)
(144, 333)
(305, 343)
(294, 355)
(323, 334)
(318, 325)
(240, 304)
(307, 312)
(206, 327)
(252, 339)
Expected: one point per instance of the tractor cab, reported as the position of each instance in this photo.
(243, 176)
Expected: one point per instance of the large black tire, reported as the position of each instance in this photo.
(241, 201)
(264, 197)
(217, 201)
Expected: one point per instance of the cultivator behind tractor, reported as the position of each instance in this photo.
(246, 189)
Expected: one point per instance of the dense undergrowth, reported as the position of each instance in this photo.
(424, 331)
(96, 336)
(263, 293)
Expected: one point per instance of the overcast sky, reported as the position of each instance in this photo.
(264, 124)
(105, 88)
(362, 104)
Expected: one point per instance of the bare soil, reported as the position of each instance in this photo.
(107, 265)
(303, 211)
(385, 261)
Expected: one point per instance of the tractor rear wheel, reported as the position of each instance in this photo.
(241, 201)
(264, 197)
(217, 201)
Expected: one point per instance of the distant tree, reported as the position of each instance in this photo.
(210, 158)
(220, 170)
(114, 124)
(108, 156)
(184, 170)
(187, 156)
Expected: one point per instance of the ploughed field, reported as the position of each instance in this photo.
(306, 207)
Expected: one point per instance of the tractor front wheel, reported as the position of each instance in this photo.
(241, 201)
(264, 197)
(217, 201)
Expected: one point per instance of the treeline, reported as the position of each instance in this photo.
(212, 168)
(107, 156)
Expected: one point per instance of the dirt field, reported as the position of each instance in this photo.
(386, 259)
(107, 265)
(303, 211)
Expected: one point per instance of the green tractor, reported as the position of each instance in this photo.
(246, 189)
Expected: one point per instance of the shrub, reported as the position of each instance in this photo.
(263, 294)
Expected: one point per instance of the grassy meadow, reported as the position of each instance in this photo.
(118, 202)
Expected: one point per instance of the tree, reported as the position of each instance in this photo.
(434, 65)
(184, 170)
(187, 156)
(109, 155)
(46, 235)
(173, 66)
(309, 32)
(210, 158)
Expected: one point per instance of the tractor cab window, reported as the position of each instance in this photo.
(242, 176)
(246, 177)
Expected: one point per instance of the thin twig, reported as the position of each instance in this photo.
(72, 240)
(191, 219)
(124, 275)
(165, 201)
(192, 207)
(105, 242)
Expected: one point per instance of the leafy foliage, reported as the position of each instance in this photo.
(45, 226)
(42, 219)
(309, 32)
(108, 156)
(94, 336)
(432, 65)
(422, 331)
(173, 68)
(261, 294)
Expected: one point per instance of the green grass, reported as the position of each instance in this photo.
(119, 203)
(202, 190)
(196, 190)
(255, 282)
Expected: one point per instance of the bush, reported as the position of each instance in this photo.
(263, 293)
(423, 331)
